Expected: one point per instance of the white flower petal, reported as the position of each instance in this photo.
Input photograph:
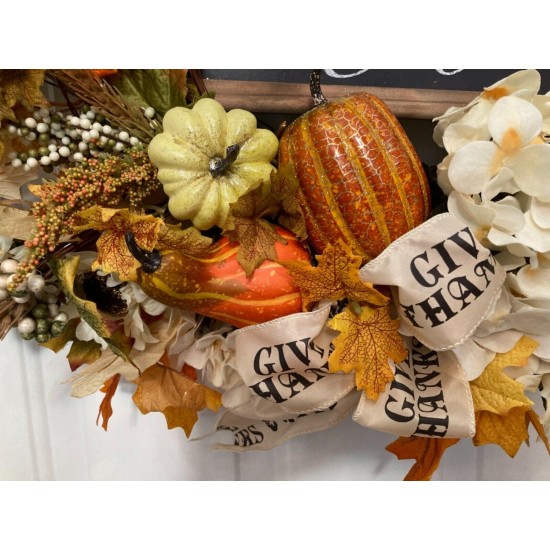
(443, 175)
(533, 282)
(534, 236)
(525, 83)
(510, 261)
(519, 249)
(503, 182)
(473, 166)
(514, 123)
(473, 358)
(459, 134)
(477, 117)
(499, 342)
(509, 217)
(540, 211)
(531, 168)
(477, 216)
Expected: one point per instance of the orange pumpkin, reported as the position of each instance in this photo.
(359, 176)
(216, 285)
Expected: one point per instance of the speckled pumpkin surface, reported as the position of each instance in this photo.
(360, 178)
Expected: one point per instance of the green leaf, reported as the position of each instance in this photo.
(161, 89)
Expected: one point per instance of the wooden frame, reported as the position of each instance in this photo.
(288, 98)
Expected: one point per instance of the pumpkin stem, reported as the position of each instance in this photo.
(315, 88)
(218, 165)
(150, 261)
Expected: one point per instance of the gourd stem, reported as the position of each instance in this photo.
(218, 165)
(150, 261)
(315, 88)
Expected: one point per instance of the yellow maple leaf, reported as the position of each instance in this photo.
(162, 389)
(365, 344)
(335, 277)
(493, 390)
(501, 407)
(112, 252)
(508, 431)
(427, 451)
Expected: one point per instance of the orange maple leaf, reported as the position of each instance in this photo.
(162, 389)
(112, 252)
(365, 343)
(105, 408)
(427, 451)
(335, 277)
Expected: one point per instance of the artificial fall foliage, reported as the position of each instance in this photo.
(20, 86)
(284, 187)
(103, 186)
(105, 408)
(256, 236)
(365, 343)
(426, 451)
(80, 352)
(335, 277)
(17, 221)
(162, 389)
(500, 403)
(113, 255)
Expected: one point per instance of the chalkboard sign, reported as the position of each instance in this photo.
(412, 93)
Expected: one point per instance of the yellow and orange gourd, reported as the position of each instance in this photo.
(359, 176)
(214, 284)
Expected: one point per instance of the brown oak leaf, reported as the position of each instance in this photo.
(161, 389)
(113, 255)
(334, 278)
(255, 235)
(105, 408)
(365, 344)
(427, 451)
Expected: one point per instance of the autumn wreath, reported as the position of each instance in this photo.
(282, 281)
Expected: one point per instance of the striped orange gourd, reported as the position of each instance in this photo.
(359, 176)
(215, 285)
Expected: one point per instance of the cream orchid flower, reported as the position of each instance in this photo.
(494, 223)
(515, 126)
(524, 84)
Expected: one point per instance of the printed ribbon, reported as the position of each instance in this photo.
(446, 281)
(429, 397)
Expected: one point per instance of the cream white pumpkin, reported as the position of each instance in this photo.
(208, 158)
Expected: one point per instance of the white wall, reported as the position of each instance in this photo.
(45, 434)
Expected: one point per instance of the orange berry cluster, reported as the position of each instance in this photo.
(111, 181)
